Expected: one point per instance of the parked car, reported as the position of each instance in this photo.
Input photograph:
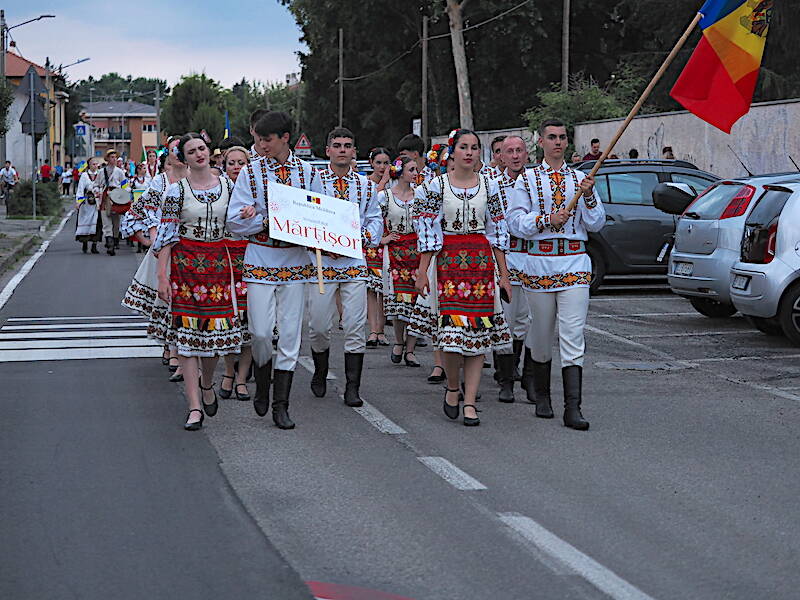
(708, 238)
(765, 282)
(636, 237)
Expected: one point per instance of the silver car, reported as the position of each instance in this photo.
(765, 282)
(708, 238)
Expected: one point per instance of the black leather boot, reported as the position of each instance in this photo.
(263, 377)
(541, 389)
(518, 347)
(505, 370)
(94, 249)
(110, 246)
(319, 383)
(573, 381)
(527, 376)
(353, 364)
(280, 400)
(85, 247)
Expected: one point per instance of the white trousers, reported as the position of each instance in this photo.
(517, 313)
(110, 223)
(323, 314)
(571, 306)
(271, 304)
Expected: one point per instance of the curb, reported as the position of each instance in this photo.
(19, 250)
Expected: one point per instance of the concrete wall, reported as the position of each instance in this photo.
(18, 144)
(763, 138)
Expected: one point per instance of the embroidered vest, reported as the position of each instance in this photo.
(464, 213)
(398, 214)
(201, 221)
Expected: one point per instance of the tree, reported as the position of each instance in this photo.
(113, 86)
(211, 118)
(455, 14)
(6, 99)
(192, 93)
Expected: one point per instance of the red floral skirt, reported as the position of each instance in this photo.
(236, 250)
(374, 260)
(465, 281)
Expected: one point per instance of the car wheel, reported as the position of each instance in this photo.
(767, 326)
(789, 313)
(712, 308)
(598, 268)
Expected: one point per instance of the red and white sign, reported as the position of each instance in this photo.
(303, 146)
(314, 220)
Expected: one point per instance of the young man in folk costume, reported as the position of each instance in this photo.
(514, 155)
(557, 269)
(257, 150)
(275, 271)
(348, 275)
(413, 146)
(110, 178)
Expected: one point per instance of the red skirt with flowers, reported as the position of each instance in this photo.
(203, 318)
(236, 250)
(403, 263)
(374, 260)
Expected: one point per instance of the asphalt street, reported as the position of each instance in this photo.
(684, 487)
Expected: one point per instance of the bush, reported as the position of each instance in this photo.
(48, 199)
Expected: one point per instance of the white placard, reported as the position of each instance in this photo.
(314, 220)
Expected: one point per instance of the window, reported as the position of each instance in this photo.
(632, 188)
(698, 184)
(601, 185)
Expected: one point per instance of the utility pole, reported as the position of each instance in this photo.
(91, 125)
(565, 48)
(3, 35)
(33, 143)
(425, 79)
(341, 75)
(158, 115)
(297, 110)
(47, 153)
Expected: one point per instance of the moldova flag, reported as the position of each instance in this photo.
(717, 83)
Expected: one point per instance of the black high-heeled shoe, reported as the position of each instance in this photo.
(471, 421)
(194, 426)
(437, 378)
(210, 409)
(165, 357)
(172, 368)
(382, 340)
(176, 378)
(223, 393)
(411, 362)
(396, 358)
(372, 343)
(449, 410)
(243, 397)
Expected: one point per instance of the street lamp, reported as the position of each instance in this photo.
(77, 62)
(4, 29)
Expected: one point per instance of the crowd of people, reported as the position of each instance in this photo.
(479, 259)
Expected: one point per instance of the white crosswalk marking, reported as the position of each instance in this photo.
(75, 338)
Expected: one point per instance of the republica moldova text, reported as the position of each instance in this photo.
(320, 234)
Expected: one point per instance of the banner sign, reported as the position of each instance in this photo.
(314, 220)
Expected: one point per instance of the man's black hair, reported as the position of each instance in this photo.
(595, 141)
(550, 123)
(230, 142)
(340, 132)
(412, 143)
(499, 139)
(274, 122)
(256, 115)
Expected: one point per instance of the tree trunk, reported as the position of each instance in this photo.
(454, 12)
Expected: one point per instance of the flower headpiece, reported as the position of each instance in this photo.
(396, 169)
(437, 158)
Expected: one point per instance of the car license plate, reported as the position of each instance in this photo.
(740, 282)
(683, 268)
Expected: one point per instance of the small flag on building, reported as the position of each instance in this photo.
(718, 82)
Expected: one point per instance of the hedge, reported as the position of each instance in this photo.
(48, 199)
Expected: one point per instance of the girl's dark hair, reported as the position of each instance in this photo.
(162, 160)
(403, 160)
(185, 140)
(461, 133)
(379, 150)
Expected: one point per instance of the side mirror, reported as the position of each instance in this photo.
(673, 198)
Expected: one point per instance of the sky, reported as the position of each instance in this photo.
(227, 40)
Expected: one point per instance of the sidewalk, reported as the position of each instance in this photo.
(19, 236)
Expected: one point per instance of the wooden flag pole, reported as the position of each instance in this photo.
(636, 107)
(319, 272)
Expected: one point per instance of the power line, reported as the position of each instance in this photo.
(435, 37)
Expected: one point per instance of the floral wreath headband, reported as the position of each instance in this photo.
(439, 153)
(396, 169)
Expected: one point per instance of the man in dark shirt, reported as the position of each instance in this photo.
(595, 153)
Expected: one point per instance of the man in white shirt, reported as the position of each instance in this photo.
(8, 178)
(109, 178)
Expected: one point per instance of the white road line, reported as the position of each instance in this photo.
(619, 298)
(378, 420)
(308, 365)
(78, 343)
(79, 354)
(573, 559)
(735, 358)
(695, 333)
(451, 473)
(29, 264)
(70, 326)
(33, 319)
(624, 340)
(63, 335)
(661, 314)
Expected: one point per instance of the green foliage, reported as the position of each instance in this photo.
(247, 96)
(6, 98)
(193, 92)
(48, 199)
(211, 118)
(113, 86)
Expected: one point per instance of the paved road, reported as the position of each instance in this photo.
(683, 487)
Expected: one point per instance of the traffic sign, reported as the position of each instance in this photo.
(303, 146)
(80, 130)
(31, 76)
(39, 120)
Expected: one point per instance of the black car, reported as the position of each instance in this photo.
(636, 237)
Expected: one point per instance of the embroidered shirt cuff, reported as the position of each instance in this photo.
(590, 202)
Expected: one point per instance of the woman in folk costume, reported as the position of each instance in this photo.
(195, 276)
(151, 165)
(463, 238)
(379, 159)
(89, 225)
(401, 258)
(237, 367)
(141, 223)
